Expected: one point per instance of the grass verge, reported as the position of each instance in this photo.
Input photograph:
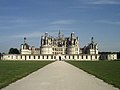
(109, 71)
(10, 71)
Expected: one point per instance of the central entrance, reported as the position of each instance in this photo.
(60, 58)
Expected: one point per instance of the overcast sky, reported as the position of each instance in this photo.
(87, 18)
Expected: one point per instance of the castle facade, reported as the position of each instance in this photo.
(58, 48)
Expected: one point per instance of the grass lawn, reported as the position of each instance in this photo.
(109, 71)
(11, 71)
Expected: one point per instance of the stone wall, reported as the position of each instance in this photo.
(108, 57)
(76, 57)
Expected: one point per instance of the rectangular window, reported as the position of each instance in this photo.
(96, 57)
(47, 57)
(25, 57)
(54, 57)
(51, 57)
(21, 57)
(38, 57)
(82, 56)
(91, 57)
(77, 56)
(86, 57)
(73, 57)
(42, 57)
(69, 57)
(65, 57)
(29, 57)
(34, 57)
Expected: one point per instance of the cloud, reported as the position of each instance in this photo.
(32, 35)
(63, 22)
(7, 22)
(118, 14)
(103, 2)
(29, 35)
(9, 8)
(5, 19)
(108, 22)
(83, 7)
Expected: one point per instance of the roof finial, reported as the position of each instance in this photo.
(92, 40)
(46, 34)
(59, 34)
(25, 40)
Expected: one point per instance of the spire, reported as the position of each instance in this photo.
(46, 34)
(25, 40)
(92, 40)
(59, 34)
(72, 35)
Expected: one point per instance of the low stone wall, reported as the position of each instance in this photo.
(51, 57)
(108, 57)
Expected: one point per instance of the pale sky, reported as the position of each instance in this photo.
(87, 18)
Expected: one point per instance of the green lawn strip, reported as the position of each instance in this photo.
(10, 71)
(109, 71)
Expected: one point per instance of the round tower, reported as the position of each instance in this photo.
(73, 48)
(25, 48)
(45, 47)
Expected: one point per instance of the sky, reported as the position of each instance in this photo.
(86, 18)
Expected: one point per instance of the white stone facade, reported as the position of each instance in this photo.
(109, 56)
(83, 57)
(60, 48)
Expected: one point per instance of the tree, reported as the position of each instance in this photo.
(14, 51)
(0, 56)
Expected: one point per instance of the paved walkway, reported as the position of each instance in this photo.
(59, 76)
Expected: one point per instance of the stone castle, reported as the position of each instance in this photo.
(59, 48)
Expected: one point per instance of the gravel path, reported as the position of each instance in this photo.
(59, 76)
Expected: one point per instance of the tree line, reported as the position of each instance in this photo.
(13, 51)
